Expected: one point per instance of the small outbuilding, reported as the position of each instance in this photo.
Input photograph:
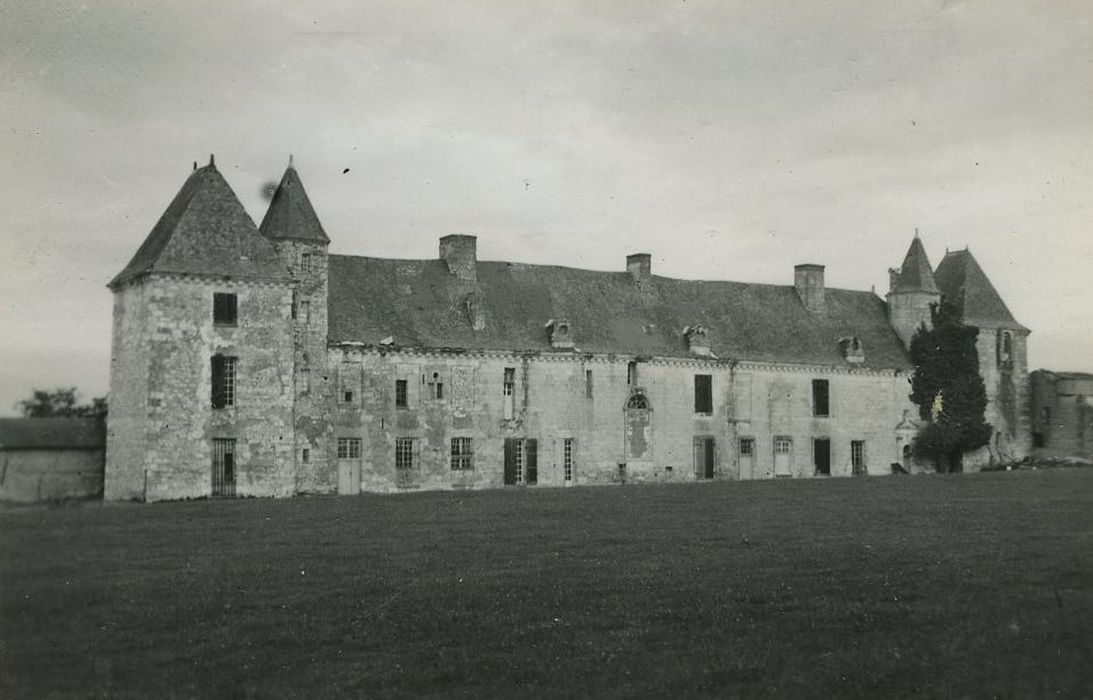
(46, 459)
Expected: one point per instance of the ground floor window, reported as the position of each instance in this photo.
(857, 457)
(349, 448)
(223, 467)
(404, 453)
(567, 459)
(783, 455)
(462, 454)
(521, 461)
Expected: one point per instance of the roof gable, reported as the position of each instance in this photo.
(290, 214)
(964, 284)
(205, 230)
(420, 304)
(915, 274)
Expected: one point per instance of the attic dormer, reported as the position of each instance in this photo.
(851, 350)
(561, 333)
(698, 341)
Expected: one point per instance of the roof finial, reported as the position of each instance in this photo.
(212, 159)
(916, 231)
(195, 165)
(290, 160)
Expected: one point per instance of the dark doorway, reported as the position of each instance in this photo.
(821, 455)
(704, 457)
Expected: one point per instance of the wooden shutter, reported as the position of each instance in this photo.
(510, 461)
(218, 399)
(531, 461)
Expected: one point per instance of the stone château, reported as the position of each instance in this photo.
(249, 361)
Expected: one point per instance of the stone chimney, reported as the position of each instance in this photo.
(639, 266)
(809, 282)
(461, 254)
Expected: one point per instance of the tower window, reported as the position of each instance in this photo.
(223, 380)
(305, 312)
(225, 309)
(305, 263)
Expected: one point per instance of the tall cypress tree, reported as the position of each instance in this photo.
(948, 389)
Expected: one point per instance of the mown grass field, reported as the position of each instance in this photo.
(944, 586)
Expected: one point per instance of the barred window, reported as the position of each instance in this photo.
(462, 454)
(223, 476)
(349, 448)
(223, 380)
(782, 445)
(305, 263)
(747, 447)
(404, 453)
(567, 459)
(225, 309)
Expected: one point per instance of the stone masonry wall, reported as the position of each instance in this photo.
(179, 339)
(1007, 400)
(551, 402)
(126, 423)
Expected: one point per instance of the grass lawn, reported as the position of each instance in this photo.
(955, 586)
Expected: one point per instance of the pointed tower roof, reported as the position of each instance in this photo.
(964, 283)
(915, 274)
(205, 231)
(290, 214)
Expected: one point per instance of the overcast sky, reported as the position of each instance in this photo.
(729, 139)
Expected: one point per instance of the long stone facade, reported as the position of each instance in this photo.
(248, 361)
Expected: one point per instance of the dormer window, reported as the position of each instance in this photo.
(851, 349)
(698, 341)
(560, 334)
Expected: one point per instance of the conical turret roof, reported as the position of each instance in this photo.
(964, 284)
(915, 274)
(290, 214)
(205, 231)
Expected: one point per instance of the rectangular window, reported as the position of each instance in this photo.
(588, 383)
(509, 390)
(223, 467)
(400, 394)
(349, 448)
(857, 457)
(305, 312)
(223, 380)
(347, 396)
(820, 397)
(631, 373)
(305, 263)
(519, 461)
(462, 454)
(225, 309)
(404, 453)
(783, 445)
(567, 459)
(305, 455)
(703, 394)
(747, 447)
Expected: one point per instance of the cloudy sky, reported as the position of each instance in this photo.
(729, 139)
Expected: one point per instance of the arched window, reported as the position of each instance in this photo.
(638, 401)
(638, 426)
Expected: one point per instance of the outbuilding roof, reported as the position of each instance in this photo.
(52, 434)
(206, 231)
(419, 303)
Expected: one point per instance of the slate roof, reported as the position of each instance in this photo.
(205, 231)
(52, 433)
(964, 283)
(915, 274)
(290, 214)
(420, 304)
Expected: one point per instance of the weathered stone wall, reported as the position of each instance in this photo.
(127, 421)
(1062, 413)
(551, 402)
(178, 339)
(314, 453)
(1007, 400)
(907, 311)
(32, 475)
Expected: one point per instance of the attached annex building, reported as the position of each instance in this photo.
(249, 361)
